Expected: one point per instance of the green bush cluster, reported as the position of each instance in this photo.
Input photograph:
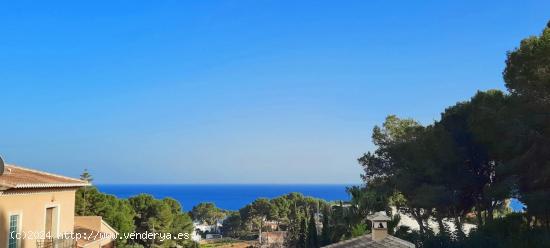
(141, 213)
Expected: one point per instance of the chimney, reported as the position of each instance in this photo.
(379, 222)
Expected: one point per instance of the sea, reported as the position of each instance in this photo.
(226, 196)
(235, 196)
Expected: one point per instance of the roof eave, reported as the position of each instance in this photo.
(5, 186)
(50, 185)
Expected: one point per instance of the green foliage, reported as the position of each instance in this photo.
(326, 232)
(312, 237)
(527, 72)
(117, 212)
(287, 210)
(162, 216)
(294, 230)
(342, 218)
(527, 77)
(446, 169)
(232, 225)
(140, 213)
(479, 155)
(302, 235)
(86, 176)
(165, 215)
(207, 212)
(359, 230)
(512, 231)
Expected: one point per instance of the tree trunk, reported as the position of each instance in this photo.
(479, 217)
(418, 217)
(459, 227)
(490, 212)
(442, 227)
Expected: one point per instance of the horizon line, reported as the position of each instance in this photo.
(282, 184)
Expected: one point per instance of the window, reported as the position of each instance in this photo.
(14, 228)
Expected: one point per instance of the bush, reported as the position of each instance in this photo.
(512, 231)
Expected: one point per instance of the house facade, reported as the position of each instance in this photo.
(37, 208)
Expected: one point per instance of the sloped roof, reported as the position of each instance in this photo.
(379, 216)
(366, 241)
(92, 223)
(89, 227)
(90, 236)
(24, 178)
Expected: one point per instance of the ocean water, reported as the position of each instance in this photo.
(230, 197)
(516, 205)
(235, 196)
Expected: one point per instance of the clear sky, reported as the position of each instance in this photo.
(237, 91)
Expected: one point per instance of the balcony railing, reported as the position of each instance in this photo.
(56, 243)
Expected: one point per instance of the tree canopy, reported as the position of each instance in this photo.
(481, 153)
(207, 212)
(141, 213)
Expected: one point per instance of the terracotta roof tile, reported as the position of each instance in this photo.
(20, 177)
(366, 241)
(88, 236)
(89, 222)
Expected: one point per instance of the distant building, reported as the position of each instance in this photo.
(271, 225)
(340, 204)
(213, 236)
(378, 238)
(203, 229)
(273, 239)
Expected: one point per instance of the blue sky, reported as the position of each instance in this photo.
(237, 91)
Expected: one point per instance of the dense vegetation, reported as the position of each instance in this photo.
(481, 153)
(141, 213)
(207, 212)
(290, 212)
(301, 217)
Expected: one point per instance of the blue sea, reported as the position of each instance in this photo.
(229, 197)
(235, 196)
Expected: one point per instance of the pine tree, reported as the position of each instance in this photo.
(312, 238)
(302, 236)
(85, 176)
(325, 232)
(293, 231)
